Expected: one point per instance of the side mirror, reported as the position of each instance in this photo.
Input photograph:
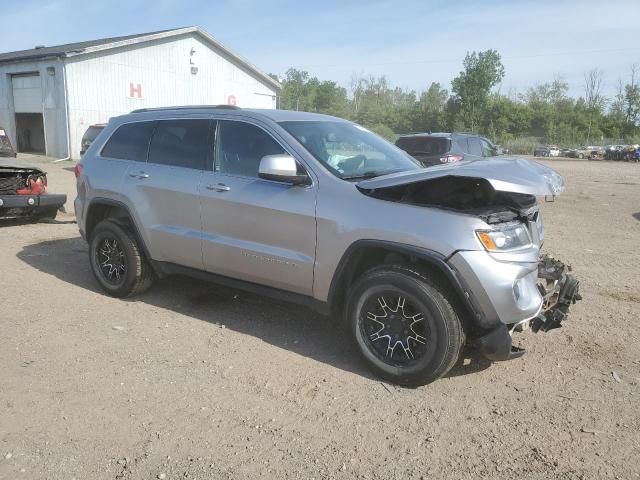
(282, 168)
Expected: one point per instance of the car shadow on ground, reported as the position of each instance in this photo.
(636, 215)
(284, 325)
(13, 222)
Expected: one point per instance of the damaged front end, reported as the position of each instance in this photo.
(23, 192)
(558, 289)
(508, 285)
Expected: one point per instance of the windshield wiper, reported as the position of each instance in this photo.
(373, 174)
(370, 174)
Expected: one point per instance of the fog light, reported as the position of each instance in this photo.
(1, 202)
(516, 290)
(31, 201)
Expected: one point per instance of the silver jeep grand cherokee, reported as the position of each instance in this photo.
(318, 210)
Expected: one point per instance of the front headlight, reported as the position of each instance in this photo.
(502, 238)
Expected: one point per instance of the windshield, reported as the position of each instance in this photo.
(91, 134)
(348, 150)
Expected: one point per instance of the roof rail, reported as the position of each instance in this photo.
(467, 133)
(187, 107)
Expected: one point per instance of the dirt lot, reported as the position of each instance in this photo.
(195, 381)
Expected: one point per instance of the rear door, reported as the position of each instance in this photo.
(164, 189)
(475, 148)
(125, 148)
(257, 230)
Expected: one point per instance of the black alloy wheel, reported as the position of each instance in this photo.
(111, 260)
(394, 327)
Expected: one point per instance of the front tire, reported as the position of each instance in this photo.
(404, 325)
(117, 260)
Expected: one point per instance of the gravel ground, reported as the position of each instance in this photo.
(191, 380)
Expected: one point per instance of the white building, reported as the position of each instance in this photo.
(50, 95)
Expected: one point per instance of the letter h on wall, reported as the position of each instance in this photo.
(135, 90)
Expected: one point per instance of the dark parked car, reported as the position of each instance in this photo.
(6, 149)
(89, 136)
(437, 148)
(542, 151)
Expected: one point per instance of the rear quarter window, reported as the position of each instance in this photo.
(130, 141)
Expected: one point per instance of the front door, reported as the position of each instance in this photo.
(256, 230)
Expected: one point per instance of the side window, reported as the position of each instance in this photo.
(460, 145)
(181, 143)
(474, 146)
(488, 150)
(130, 142)
(240, 147)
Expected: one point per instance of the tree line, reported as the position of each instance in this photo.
(544, 113)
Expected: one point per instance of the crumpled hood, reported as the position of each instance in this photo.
(12, 163)
(517, 175)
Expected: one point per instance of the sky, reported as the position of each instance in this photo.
(413, 43)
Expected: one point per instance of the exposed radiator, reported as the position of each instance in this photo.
(9, 185)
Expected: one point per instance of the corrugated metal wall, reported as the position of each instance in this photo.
(102, 85)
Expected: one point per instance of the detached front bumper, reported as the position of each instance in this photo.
(537, 296)
(13, 206)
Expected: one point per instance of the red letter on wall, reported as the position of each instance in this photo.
(135, 90)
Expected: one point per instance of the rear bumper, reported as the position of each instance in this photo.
(12, 206)
(558, 289)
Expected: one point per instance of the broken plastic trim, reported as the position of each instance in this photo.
(497, 345)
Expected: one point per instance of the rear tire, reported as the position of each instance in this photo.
(117, 260)
(404, 325)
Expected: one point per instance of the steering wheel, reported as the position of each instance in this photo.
(350, 165)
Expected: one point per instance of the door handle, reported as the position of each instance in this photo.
(221, 187)
(139, 175)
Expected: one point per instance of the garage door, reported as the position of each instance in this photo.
(27, 93)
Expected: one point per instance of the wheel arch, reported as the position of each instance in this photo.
(362, 255)
(105, 208)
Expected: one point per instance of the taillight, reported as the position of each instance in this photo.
(451, 158)
(77, 170)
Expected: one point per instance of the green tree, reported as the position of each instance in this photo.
(544, 113)
(431, 108)
(295, 90)
(471, 88)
